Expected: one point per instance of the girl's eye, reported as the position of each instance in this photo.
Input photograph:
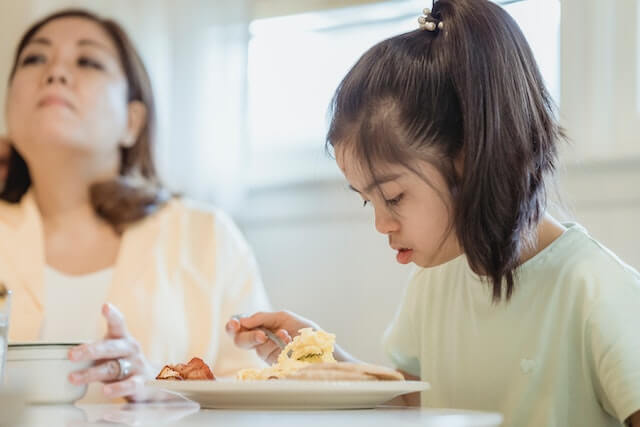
(394, 201)
(33, 59)
(87, 62)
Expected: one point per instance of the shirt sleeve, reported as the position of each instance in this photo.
(613, 340)
(401, 339)
(242, 292)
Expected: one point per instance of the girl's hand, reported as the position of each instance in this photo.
(283, 323)
(118, 361)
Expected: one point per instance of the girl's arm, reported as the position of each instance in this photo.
(411, 399)
(342, 356)
(247, 334)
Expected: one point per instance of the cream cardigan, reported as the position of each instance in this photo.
(179, 275)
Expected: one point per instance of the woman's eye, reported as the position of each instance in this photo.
(88, 62)
(33, 59)
(394, 201)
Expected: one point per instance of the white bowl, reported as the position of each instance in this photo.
(42, 371)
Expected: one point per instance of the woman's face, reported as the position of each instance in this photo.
(69, 90)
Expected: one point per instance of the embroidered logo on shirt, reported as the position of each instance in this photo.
(527, 366)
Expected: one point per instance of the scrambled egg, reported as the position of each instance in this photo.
(308, 347)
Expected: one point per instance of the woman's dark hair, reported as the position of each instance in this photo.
(137, 192)
(470, 91)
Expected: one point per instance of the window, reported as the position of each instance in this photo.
(539, 20)
(296, 62)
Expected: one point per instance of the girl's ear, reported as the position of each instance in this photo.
(137, 118)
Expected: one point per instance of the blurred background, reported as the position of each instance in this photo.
(243, 87)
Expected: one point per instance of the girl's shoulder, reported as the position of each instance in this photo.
(582, 256)
(578, 263)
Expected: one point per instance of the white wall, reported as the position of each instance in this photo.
(600, 78)
(605, 197)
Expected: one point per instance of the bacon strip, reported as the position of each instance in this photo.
(196, 369)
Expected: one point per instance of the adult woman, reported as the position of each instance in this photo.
(84, 218)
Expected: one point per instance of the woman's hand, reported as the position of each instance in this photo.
(283, 323)
(118, 361)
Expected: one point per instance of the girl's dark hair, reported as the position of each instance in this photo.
(470, 91)
(137, 192)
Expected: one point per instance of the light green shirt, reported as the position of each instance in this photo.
(564, 351)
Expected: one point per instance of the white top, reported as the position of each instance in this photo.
(564, 351)
(72, 305)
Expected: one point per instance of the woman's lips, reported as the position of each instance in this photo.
(404, 256)
(52, 100)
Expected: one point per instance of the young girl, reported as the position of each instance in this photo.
(449, 134)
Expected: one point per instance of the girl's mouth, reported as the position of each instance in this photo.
(404, 255)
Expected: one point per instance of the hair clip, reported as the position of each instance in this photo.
(428, 22)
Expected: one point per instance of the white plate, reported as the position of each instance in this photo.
(283, 394)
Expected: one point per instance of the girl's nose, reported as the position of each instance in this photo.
(385, 222)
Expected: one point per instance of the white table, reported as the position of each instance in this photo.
(189, 414)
